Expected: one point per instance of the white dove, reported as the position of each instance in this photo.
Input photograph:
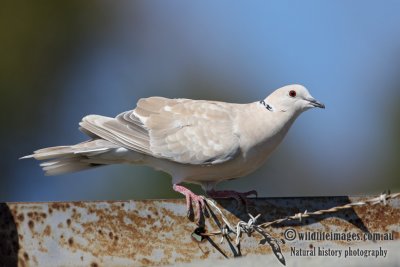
(195, 141)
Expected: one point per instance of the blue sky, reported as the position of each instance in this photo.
(346, 53)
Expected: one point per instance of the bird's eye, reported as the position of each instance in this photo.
(292, 93)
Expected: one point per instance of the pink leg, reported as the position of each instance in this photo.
(190, 196)
(239, 197)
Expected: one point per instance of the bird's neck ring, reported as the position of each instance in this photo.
(267, 106)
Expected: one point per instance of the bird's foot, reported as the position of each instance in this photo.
(190, 198)
(240, 197)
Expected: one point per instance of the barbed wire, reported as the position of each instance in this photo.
(251, 226)
(381, 199)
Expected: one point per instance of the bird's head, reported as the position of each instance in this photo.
(292, 98)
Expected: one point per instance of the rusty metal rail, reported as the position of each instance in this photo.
(157, 232)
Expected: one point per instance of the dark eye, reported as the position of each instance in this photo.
(292, 93)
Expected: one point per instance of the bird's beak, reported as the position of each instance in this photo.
(316, 103)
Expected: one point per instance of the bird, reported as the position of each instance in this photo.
(195, 141)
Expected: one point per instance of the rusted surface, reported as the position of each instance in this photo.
(157, 232)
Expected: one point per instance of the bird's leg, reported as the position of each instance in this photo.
(191, 197)
(240, 197)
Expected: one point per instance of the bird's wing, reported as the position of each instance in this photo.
(121, 131)
(189, 131)
(181, 130)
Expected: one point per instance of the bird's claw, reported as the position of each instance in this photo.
(190, 199)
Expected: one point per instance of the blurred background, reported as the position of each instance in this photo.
(62, 60)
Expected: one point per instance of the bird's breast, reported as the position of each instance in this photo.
(260, 136)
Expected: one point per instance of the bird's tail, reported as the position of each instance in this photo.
(66, 159)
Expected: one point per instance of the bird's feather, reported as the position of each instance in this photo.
(181, 130)
(192, 131)
(64, 159)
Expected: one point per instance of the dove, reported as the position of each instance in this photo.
(195, 141)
